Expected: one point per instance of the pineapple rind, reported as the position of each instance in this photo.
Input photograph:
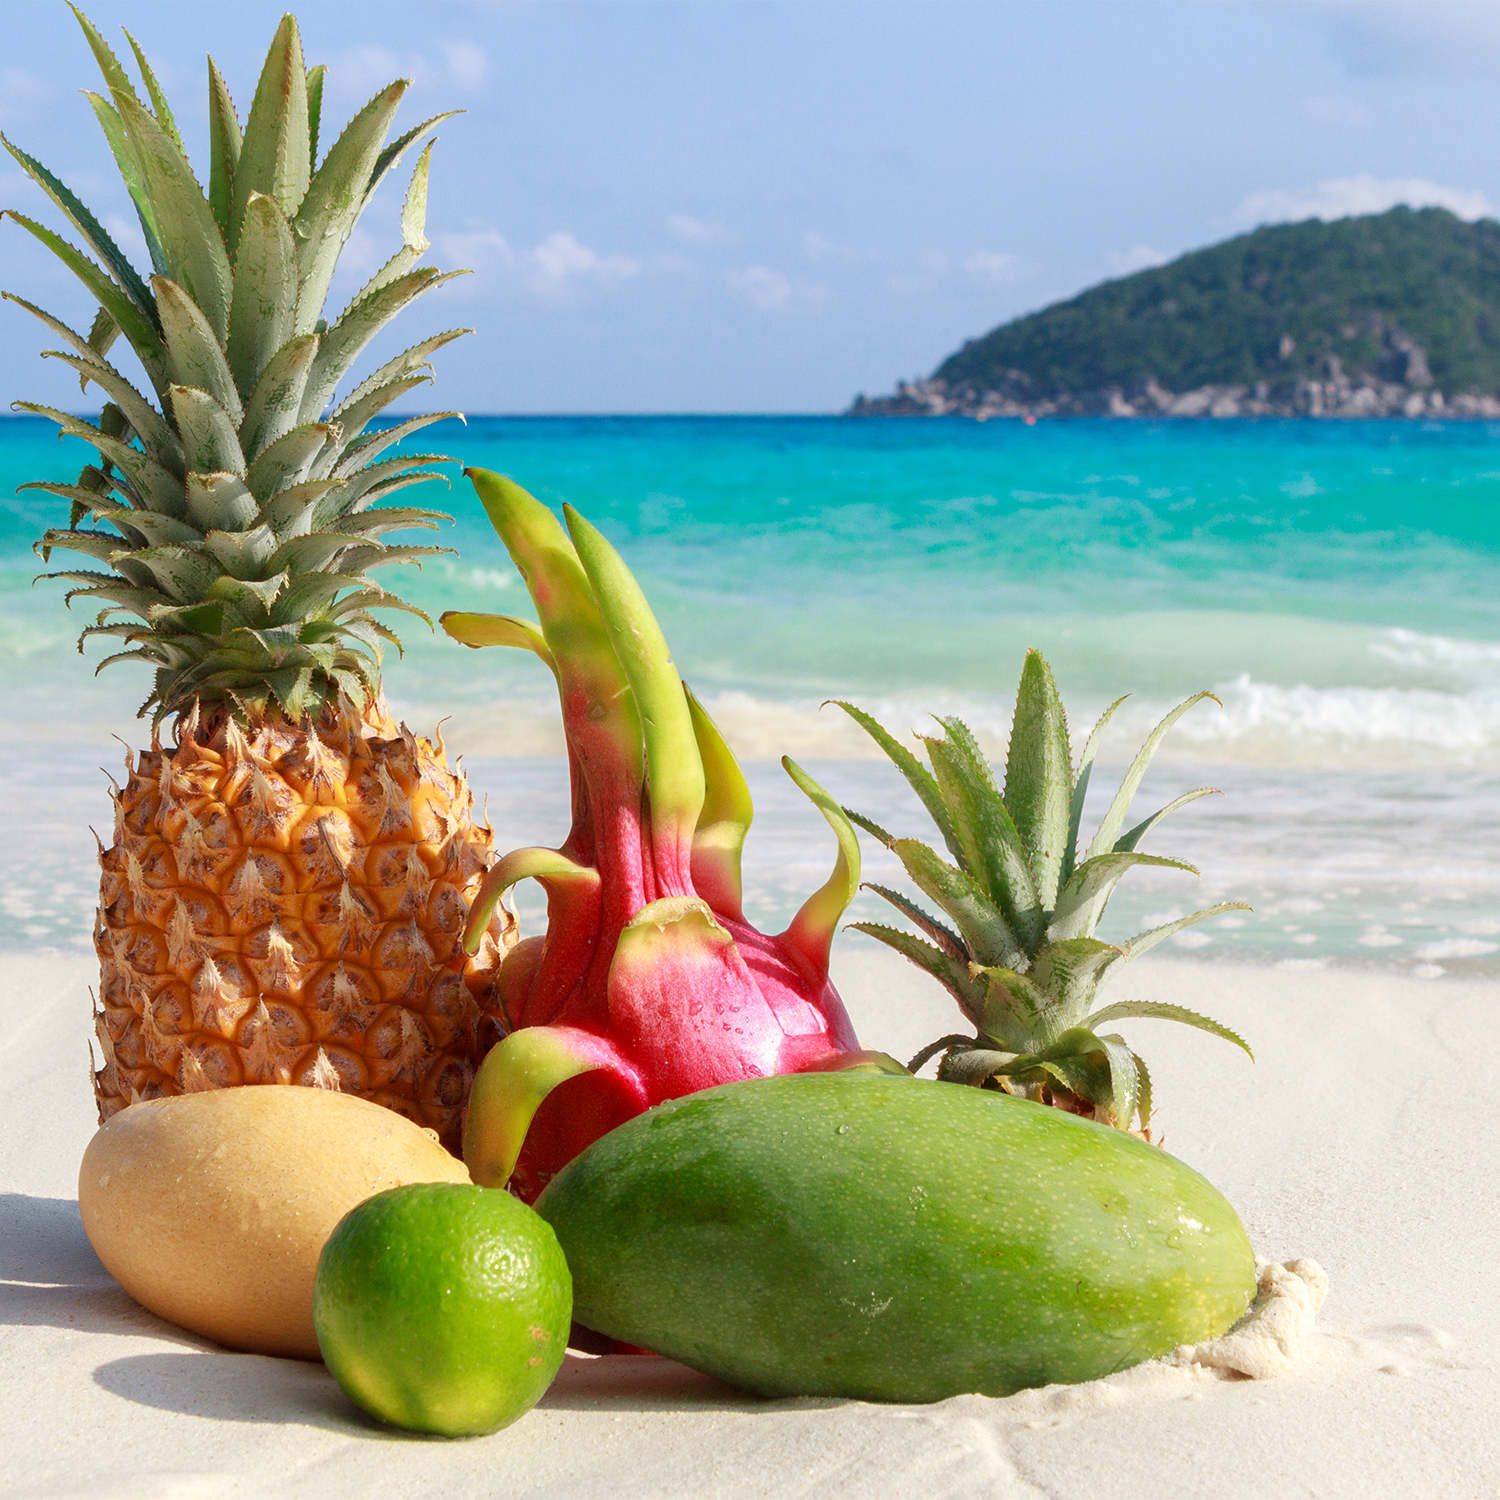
(1021, 957)
(279, 902)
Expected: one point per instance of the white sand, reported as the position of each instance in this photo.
(1365, 1138)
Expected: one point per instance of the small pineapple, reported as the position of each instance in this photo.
(288, 885)
(1021, 957)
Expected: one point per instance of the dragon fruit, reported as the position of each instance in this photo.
(649, 983)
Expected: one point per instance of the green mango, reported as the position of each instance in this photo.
(893, 1239)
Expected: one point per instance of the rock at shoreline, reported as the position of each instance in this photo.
(1336, 396)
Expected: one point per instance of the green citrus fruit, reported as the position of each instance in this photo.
(443, 1308)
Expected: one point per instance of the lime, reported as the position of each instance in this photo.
(442, 1307)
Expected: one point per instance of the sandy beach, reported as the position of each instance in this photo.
(1361, 1138)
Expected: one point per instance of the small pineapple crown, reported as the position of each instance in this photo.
(239, 526)
(1017, 949)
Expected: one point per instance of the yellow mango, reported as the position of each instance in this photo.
(211, 1209)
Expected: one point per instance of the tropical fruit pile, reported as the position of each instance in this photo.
(300, 921)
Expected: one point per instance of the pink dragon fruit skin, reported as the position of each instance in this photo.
(649, 983)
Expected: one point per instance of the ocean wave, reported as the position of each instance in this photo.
(1296, 727)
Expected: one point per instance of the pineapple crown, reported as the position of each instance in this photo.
(238, 515)
(1020, 955)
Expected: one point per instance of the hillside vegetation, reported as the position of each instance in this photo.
(1408, 299)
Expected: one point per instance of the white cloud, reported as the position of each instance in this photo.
(557, 265)
(761, 287)
(467, 63)
(358, 74)
(1137, 258)
(696, 231)
(998, 267)
(474, 247)
(560, 259)
(1339, 197)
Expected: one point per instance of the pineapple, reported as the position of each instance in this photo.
(1020, 956)
(287, 888)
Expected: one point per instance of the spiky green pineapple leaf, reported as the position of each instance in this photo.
(342, 459)
(365, 486)
(101, 545)
(1070, 971)
(224, 143)
(194, 348)
(289, 459)
(242, 554)
(210, 444)
(390, 158)
(264, 309)
(139, 330)
(182, 573)
(413, 229)
(95, 236)
(273, 407)
(293, 511)
(155, 93)
(1114, 820)
(870, 826)
(1125, 1010)
(219, 502)
(127, 160)
(1142, 1091)
(940, 933)
(376, 598)
(404, 364)
(156, 487)
(993, 850)
(189, 236)
(315, 76)
(1128, 841)
(154, 530)
(1144, 941)
(1081, 781)
(986, 934)
(357, 325)
(335, 198)
(359, 414)
(950, 973)
(1014, 1010)
(275, 153)
(156, 437)
(1124, 1083)
(394, 518)
(918, 777)
(973, 1065)
(1039, 775)
(1081, 903)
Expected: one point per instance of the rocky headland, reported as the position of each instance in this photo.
(1386, 315)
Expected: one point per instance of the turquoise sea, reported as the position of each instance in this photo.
(1336, 585)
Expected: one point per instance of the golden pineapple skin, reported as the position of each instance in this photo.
(284, 904)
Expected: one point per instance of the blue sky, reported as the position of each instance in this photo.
(716, 206)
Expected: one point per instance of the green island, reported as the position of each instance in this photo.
(1382, 315)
